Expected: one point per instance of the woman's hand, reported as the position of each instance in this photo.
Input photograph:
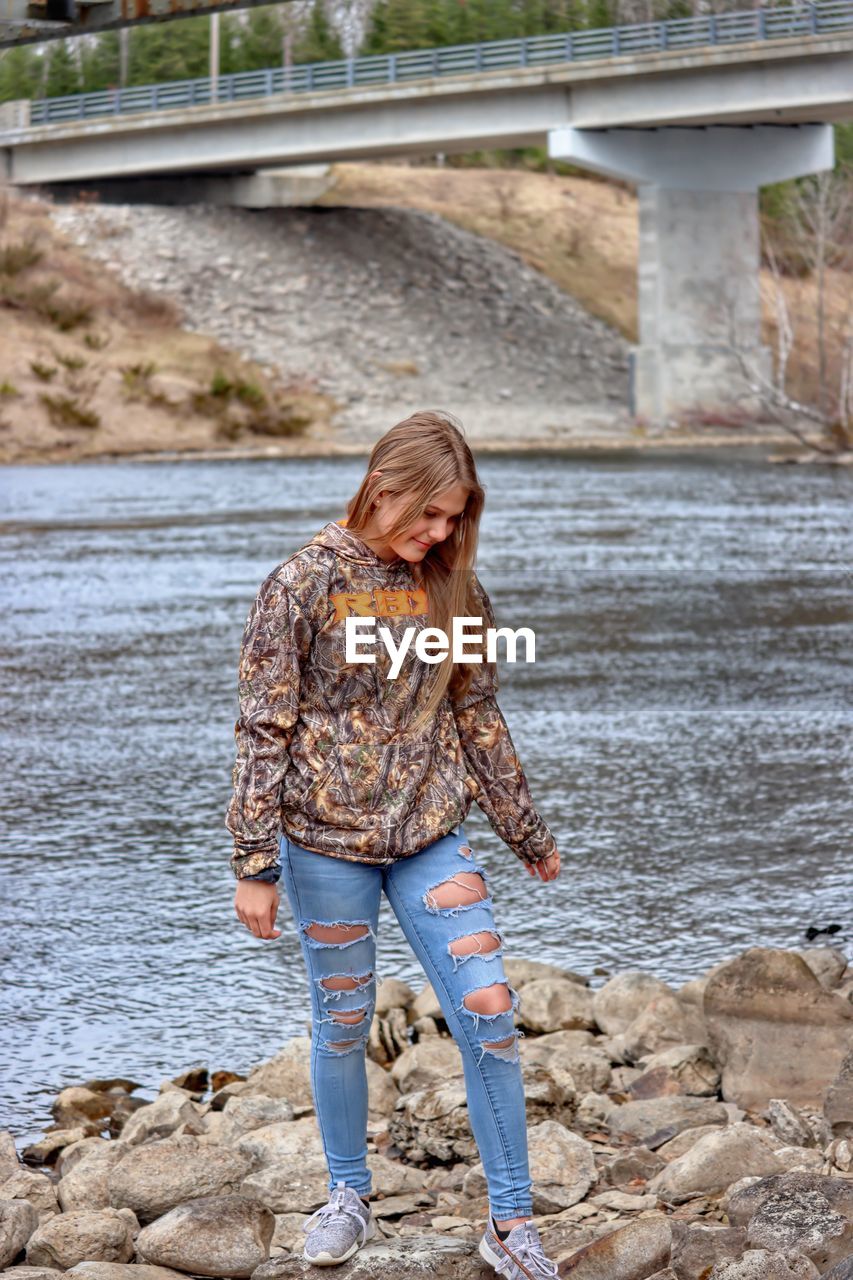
(547, 869)
(256, 903)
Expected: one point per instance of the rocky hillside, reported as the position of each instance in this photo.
(385, 310)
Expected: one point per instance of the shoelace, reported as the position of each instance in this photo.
(531, 1254)
(335, 1208)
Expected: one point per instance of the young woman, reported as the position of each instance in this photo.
(354, 778)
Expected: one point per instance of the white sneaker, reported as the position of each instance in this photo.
(339, 1229)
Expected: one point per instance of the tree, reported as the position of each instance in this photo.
(101, 63)
(63, 73)
(175, 50)
(318, 41)
(20, 72)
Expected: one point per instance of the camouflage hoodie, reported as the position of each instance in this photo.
(323, 748)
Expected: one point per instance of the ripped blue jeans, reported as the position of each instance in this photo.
(441, 898)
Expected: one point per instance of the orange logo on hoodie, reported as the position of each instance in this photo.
(379, 603)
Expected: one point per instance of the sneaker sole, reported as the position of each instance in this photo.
(487, 1254)
(327, 1260)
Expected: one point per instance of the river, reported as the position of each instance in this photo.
(685, 731)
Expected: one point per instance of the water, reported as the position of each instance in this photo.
(685, 731)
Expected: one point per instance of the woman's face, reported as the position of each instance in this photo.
(437, 523)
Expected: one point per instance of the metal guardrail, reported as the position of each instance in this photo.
(817, 17)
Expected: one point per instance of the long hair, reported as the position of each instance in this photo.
(421, 457)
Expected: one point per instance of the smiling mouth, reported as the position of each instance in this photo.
(422, 544)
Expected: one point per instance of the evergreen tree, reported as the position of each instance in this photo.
(101, 63)
(20, 72)
(259, 44)
(174, 50)
(318, 42)
(63, 73)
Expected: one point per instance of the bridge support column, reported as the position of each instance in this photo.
(699, 312)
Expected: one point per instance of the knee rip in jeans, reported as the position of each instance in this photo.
(486, 944)
(334, 985)
(444, 899)
(348, 1018)
(336, 933)
(490, 1003)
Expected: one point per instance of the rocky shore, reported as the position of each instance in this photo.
(388, 310)
(699, 1133)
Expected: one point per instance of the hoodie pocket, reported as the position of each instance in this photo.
(368, 783)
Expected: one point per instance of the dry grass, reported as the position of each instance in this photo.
(91, 367)
(583, 234)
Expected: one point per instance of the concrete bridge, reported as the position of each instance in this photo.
(698, 113)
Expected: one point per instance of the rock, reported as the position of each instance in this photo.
(9, 1162)
(153, 1178)
(593, 1110)
(434, 1122)
(426, 1005)
(391, 1177)
(94, 1235)
(633, 1252)
(122, 1271)
(840, 1153)
(18, 1221)
(549, 1093)
(801, 1221)
(288, 1236)
(623, 1201)
(842, 1270)
(714, 1163)
(79, 1151)
(801, 1158)
(697, 1248)
(684, 1141)
(576, 1052)
(562, 1167)
(758, 1264)
(551, 1005)
(272, 1143)
(23, 1272)
(391, 993)
(160, 1118)
(427, 1062)
(382, 1092)
(403, 1258)
(656, 1120)
(664, 1022)
(400, 1206)
(78, 1104)
(622, 998)
(520, 972)
(290, 1186)
(788, 1124)
(828, 964)
(774, 1029)
(84, 1186)
(37, 1188)
(47, 1149)
(242, 1114)
(220, 1235)
(631, 1165)
(838, 1100)
(286, 1075)
(690, 1065)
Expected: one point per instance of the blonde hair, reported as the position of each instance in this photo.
(422, 457)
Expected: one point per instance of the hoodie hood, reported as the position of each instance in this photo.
(338, 538)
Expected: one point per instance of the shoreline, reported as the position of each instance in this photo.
(775, 448)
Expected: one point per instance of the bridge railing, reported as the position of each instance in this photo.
(813, 17)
